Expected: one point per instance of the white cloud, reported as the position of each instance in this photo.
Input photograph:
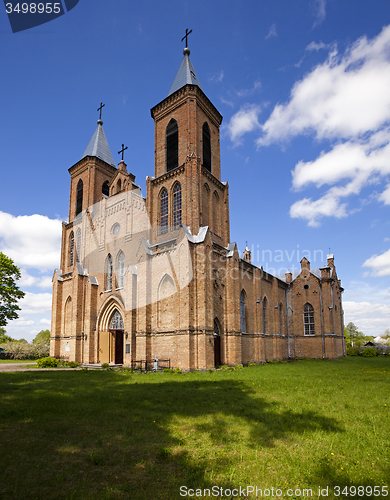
(272, 32)
(244, 121)
(28, 281)
(247, 92)
(320, 11)
(344, 101)
(36, 303)
(379, 264)
(31, 240)
(319, 46)
(371, 318)
(217, 77)
(45, 321)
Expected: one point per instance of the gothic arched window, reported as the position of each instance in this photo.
(116, 322)
(109, 272)
(205, 205)
(105, 189)
(308, 319)
(177, 206)
(164, 211)
(78, 244)
(118, 186)
(242, 312)
(79, 198)
(172, 145)
(121, 269)
(265, 326)
(71, 248)
(206, 146)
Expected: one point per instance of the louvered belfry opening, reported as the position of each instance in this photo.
(172, 144)
(206, 146)
(79, 199)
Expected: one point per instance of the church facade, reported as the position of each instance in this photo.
(159, 277)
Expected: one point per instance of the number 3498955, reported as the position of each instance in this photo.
(34, 8)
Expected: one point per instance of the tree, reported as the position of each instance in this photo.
(353, 336)
(9, 291)
(4, 337)
(43, 337)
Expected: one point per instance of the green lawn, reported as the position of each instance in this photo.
(28, 361)
(111, 435)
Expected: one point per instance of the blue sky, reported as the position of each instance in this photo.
(303, 87)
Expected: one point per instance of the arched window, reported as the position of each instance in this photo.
(265, 326)
(308, 319)
(68, 317)
(166, 303)
(205, 205)
(105, 189)
(118, 186)
(172, 145)
(78, 245)
(71, 248)
(281, 318)
(206, 146)
(79, 199)
(109, 272)
(164, 211)
(242, 312)
(121, 269)
(177, 206)
(217, 214)
(116, 322)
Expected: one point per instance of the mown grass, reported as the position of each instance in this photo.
(111, 435)
(18, 361)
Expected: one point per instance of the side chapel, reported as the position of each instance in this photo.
(159, 277)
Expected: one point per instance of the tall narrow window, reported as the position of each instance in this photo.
(79, 202)
(164, 211)
(217, 214)
(121, 269)
(71, 248)
(118, 186)
(109, 272)
(265, 315)
(308, 319)
(281, 318)
(242, 312)
(78, 245)
(177, 206)
(172, 145)
(105, 189)
(206, 146)
(205, 205)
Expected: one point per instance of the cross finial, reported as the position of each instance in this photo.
(100, 109)
(122, 151)
(186, 36)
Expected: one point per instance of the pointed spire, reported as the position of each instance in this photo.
(98, 146)
(186, 74)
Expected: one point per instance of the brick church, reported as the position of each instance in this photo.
(159, 277)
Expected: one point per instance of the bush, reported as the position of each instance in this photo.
(48, 362)
(369, 352)
(354, 351)
(24, 350)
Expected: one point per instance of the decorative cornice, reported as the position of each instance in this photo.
(172, 173)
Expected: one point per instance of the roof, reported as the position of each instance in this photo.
(186, 74)
(316, 271)
(98, 146)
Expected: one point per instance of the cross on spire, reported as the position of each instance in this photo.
(100, 109)
(186, 36)
(122, 151)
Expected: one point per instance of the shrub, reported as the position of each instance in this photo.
(354, 351)
(252, 364)
(48, 362)
(369, 352)
(72, 364)
(167, 370)
(107, 367)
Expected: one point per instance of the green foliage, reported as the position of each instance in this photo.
(42, 337)
(4, 337)
(107, 367)
(369, 352)
(353, 336)
(10, 293)
(353, 351)
(48, 362)
(21, 349)
(71, 364)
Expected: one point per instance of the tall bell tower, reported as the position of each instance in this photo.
(186, 187)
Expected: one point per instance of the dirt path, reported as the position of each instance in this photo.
(28, 367)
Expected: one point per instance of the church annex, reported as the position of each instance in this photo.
(159, 276)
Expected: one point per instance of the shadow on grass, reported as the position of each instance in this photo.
(110, 435)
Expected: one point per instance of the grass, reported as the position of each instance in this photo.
(28, 361)
(110, 435)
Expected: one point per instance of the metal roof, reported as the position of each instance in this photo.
(98, 146)
(185, 75)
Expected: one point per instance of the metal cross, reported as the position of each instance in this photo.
(100, 109)
(122, 151)
(186, 36)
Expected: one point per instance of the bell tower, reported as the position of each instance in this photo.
(187, 188)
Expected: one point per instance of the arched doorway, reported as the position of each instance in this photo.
(117, 330)
(217, 343)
